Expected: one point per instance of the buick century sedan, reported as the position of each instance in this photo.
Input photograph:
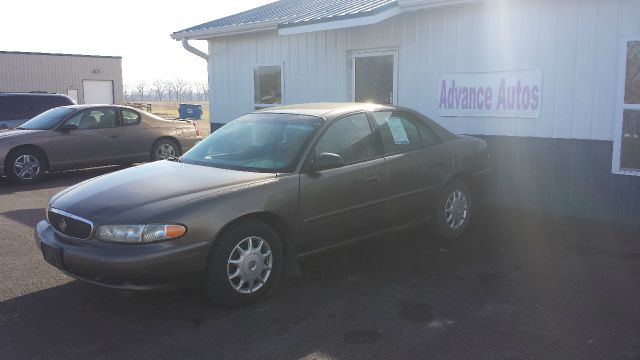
(266, 189)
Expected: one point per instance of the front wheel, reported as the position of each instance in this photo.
(25, 166)
(244, 264)
(164, 149)
(454, 210)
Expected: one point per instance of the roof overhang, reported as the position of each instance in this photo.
(227, 31)
(302, 28)
(290, 27)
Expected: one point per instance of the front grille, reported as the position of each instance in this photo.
(70, 225)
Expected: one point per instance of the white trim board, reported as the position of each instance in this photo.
(621, 107)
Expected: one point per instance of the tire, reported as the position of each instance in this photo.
(25, 166)
(233, 277)
(454, 210)
(164, 149)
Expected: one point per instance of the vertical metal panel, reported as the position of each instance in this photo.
(23, 72)
(565, 177)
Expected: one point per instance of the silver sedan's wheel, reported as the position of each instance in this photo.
(456, 209)
(249, 265)
(166, 151)
(26, 167)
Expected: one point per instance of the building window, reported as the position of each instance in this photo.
(267, 86)
(626, 156)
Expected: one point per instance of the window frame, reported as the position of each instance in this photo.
(311, 155)
(371, 53)
(259, 106)
(621, 107)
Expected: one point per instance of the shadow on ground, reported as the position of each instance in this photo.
(517, 286)
(55, 180)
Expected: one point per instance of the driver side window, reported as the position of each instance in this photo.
(349, 137)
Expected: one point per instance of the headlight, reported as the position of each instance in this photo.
(139, 233)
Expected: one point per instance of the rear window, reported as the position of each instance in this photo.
(14, 107)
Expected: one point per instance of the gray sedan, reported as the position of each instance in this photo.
(264, 190)
(80, 136)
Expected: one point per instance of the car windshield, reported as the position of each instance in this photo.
(261, 142)
(47, 120)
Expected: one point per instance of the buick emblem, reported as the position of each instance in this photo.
(63, 225)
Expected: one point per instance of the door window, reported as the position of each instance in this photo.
(94, 119)
(374, 77)
(349, 137)
(130, 117)
(398, 133)
(42, 103)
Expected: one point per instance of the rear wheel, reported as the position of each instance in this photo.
(454, 209)
(244, 264)
(25, 166)
(164, 149)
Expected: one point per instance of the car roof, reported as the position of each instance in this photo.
(89, 106)
(31, 94)
(326, 110)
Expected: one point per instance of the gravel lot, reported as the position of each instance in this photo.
(517, 286)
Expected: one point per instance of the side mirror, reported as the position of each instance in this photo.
(326, 161)
(68, 127)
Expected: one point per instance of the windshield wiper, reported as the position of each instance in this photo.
(174, 159)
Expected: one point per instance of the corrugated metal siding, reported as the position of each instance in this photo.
(57, 73)
(574, 42)
(565, 177)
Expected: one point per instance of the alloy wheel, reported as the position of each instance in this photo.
(26, 167)
(165, 151)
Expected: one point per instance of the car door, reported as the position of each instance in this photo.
(135, 142)
(94, 141)
(347, 202)
(417, 164)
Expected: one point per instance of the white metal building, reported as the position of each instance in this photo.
(553, 86)
(87, 79)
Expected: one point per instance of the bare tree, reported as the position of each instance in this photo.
(140, 88)
(158, 89)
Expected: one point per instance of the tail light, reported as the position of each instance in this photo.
(195, 126)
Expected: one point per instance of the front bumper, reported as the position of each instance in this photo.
(161, 265)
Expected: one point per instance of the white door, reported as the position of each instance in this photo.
(374, 76)
(98, 91)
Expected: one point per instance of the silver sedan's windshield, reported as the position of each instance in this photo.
(264, 142)
(48, 119)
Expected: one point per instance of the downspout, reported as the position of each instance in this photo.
(191, 49)
(185, 44)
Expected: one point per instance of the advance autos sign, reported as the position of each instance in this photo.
(501, 94)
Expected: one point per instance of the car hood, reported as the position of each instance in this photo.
(141, 192)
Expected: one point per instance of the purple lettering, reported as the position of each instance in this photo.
(502, 97)
(443, 94)
(526, 98)
(487, 98)
(535, 98)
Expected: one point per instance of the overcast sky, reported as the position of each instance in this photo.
(136, 30)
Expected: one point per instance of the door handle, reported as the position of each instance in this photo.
(375, 178)
(113, 135)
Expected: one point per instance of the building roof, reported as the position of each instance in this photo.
(290, 13)
(57, 54)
